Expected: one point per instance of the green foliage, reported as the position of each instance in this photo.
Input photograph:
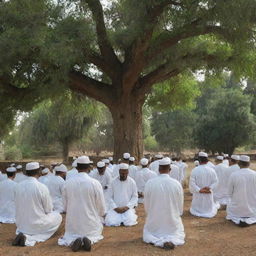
(177, 93)
(151, 144)
(225, 122)
(64, 121)
(173, 130)
(13, 153)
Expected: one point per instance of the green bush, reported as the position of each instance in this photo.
(13, 153)
(150, 143)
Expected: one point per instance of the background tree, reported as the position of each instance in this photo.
(174, 130)
(66, 120)
(116, 53)
(226, 121)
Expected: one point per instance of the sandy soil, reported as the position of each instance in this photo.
(204, 237)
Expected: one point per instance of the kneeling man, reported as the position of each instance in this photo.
(122, 199)
(163, 201)
(242, 191)
(35, 219)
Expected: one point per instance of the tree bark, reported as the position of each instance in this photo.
(127, 126)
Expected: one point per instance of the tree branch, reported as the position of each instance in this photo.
(103, 40)
(97, 90)
(166, 40)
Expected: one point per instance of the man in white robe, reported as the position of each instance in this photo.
(73, 172)
(45, 175)
(226, 159)
(19, 177)
(203, 180)
(35, 219)
(220, 192)
(176, 173)
(7, 192)
(123, 198)
(85, 207)
(55, 185)
(142, 176)
(242, 191)
(104, 177)
(125, 160)
(154, 166)
(108, 169)
(163, 201)
(132, 167)
(233, 164)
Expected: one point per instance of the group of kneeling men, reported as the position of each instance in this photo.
(109, 194)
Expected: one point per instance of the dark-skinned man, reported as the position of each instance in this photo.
(203, 180)
(163, 201)
(85, 206)
(122, 199)
(242, 191)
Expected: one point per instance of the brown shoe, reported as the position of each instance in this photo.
(19, 240)
(77, 245)
(87, 245)
(169, 246)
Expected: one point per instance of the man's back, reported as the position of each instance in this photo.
(163, 201)
(84, 200)
(242, 189)
(55, 185)
(33, 203)
(223, 177)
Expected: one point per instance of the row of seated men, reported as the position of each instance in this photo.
(92, 198)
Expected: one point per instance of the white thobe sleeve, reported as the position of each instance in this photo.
(46, 200)
(100, 201)
(110, 195)
(192, 184)
(134, 199)
(146, 196)
(109, 180)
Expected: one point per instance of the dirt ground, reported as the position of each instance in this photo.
(204, 237)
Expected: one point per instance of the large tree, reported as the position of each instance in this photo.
(116, 52)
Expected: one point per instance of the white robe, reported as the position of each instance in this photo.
(7, 205)
(233, 168)
(55, 185)
(242, 191)
(154, 166)
(132, 171)
(3, 176)
(210, 164)
(35, 217)
(141, 178)
(176, 173)
(226, 162)
(105, 181)
(85, 206)
(121, 194)
(72, 173)
(220, 193)
(163, 205)
(19, 177)
(203, 205)
(43, 179)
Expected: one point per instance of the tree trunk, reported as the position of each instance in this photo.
(127, 126)
(65, 151)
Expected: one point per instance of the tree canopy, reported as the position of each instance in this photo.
(115, 53)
